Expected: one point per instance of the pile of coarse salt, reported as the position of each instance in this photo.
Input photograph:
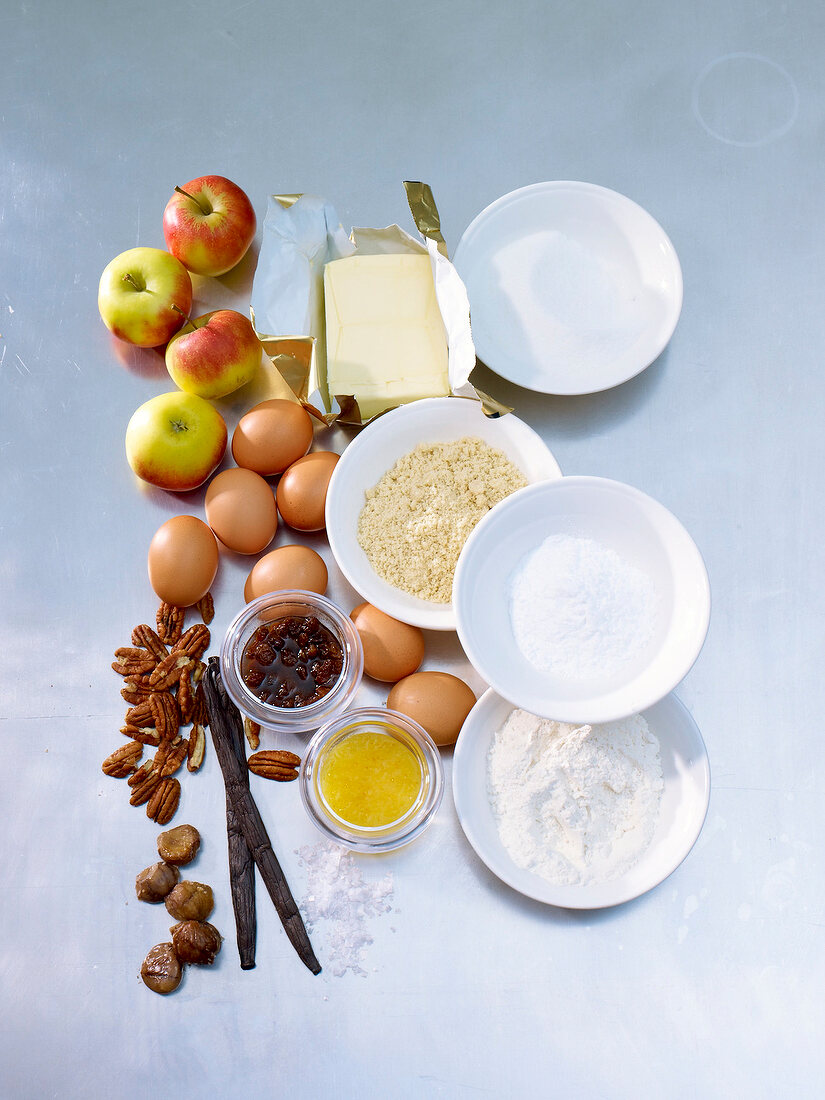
(339, 897)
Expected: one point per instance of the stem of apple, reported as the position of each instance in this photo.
(185, 316)
(129, 278)
(197, 203)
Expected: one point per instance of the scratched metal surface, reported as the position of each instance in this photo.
(708, 115)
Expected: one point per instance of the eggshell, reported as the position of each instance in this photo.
(392, 649)
(302, 490)
(183, 560)
(240, 509)
(438, 701)
(285, 568)
(271, 436)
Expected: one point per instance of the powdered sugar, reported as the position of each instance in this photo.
(575, 804)
(579, 610)
(342, 901)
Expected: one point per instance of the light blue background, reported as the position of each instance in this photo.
(712, 984)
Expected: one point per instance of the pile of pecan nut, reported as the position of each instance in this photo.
(162, 670)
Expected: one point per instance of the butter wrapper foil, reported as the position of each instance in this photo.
(303, 233)
(300, 234)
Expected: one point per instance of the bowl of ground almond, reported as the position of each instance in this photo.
(410, 489)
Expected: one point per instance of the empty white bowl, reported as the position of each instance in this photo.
(573, 287)
(644, 534)
(377, 448)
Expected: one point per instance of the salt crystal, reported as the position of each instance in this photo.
(338, 893)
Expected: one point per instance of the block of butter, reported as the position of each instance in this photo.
(386, 342)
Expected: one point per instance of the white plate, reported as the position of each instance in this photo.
(377, 448)
(637, 528)
(573, 288)
(682, 809)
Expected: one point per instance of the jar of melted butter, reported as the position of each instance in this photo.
(372, 779)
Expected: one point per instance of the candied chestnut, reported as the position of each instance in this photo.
(179, 845)
(161, 970)
(155, 882)
(195, 941)
(190, 901)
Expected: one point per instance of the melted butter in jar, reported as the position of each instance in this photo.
(292, 662)
(370, 777)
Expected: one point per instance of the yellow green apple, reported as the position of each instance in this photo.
(144, 296)
(209, 223)
(215, 354)
(175, 440)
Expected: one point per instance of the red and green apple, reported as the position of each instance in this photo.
(209, 223)
(144, 296)
(175, 440)
(215, 354)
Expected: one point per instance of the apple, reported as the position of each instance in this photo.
(209, 224)
(144, 296)
(218, 354)
(175, 440)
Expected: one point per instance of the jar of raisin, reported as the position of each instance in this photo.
(291, 661)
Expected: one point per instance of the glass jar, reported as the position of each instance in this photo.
(407, 737)
(267, 610)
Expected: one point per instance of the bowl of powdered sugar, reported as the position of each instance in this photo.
(596, 600)
(581, 816)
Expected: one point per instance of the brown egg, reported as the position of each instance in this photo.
(240, 509)
(436, 700)
(392, 649)
(285, 568)
(271, 436)
(183, 560)
(302, 491)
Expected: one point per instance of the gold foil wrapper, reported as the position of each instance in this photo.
(425, 212)
(299, 361)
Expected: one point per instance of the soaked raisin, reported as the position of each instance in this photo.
(295, 661)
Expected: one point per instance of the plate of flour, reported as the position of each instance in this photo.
(573, 288)
(581, 816)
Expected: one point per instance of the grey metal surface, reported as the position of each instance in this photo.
(710, 116)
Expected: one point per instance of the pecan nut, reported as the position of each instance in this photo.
(206, 608)
(164, 802)
(200, 715)
(141, 713)
(195, 748)
(194, 642)
(123, 761)
(186, 697)
(169, 621)
(133, 661)
(145, 637)
(136, 688)
(142, 791)
(274, 764)
(168, 671)
(169, 757)
(146, 735)
(253, 733)
(166, 714)
(142, 773)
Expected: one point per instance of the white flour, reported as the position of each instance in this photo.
(576, 805)
(580, 611)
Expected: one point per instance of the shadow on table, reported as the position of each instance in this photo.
(572, 417)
